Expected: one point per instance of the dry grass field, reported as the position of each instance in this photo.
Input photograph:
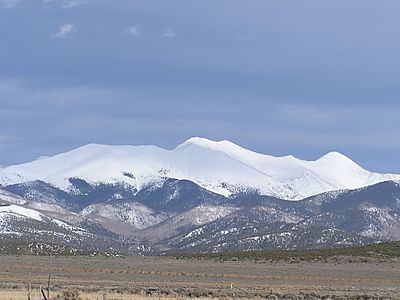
(99, 278)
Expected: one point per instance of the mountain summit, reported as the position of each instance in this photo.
(221, 167)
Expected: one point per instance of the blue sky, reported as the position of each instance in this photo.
(278, 77)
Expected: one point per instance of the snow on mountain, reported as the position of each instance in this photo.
(19, 221)
(207, 213)
(20, 212)
(8, 212)
(134, 214)
(47, 207)
(7, 197)
(221, 167)
(333, 171)
(382, 223)
(200, 215)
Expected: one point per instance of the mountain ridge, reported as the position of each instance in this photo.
(156, 221)
(221, 167)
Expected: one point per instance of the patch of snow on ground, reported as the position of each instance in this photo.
(207, 213)
(21, 212)
(195, 232)
(134, 214)
(11, 198)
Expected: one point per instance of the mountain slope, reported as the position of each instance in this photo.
(209, 222)
(25, 229)
(220, 167)
(189, 219)
(332, 219)
(122, 215)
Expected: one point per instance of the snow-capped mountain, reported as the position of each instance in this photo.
(201, 196)
(220, 167)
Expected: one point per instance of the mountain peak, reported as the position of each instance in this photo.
(335, 156)
(208, 144)
(218, 166)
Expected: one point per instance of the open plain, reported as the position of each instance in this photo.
(130, 277)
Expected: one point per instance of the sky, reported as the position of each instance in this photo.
(277, 77)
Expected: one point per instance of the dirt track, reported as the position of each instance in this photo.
(204, 278)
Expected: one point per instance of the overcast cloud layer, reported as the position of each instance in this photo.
(278, 77)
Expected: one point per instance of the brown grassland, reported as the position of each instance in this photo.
(123, 278)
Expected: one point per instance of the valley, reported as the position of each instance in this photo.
(125, 277)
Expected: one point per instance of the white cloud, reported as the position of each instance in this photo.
(73, 3)
(64, 31)
(134, 30)
(8, 3)
(168, 33)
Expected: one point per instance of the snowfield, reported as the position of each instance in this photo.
(221, 167)
(20, 212)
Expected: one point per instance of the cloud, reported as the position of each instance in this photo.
(64, 31)
(8, 3)
(63, 117)
(168, 33)
(134, 30)
(73, 3)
